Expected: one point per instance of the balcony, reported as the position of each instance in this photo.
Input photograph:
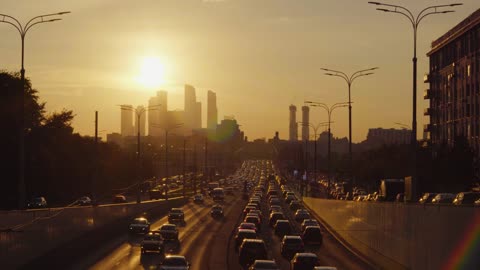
(427, 111)
(427, 94)
(426, 78)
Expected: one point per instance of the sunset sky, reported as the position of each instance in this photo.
(259, 56)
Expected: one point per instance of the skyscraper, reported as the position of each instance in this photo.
(305, 122)
(126, 120)
(193, 109)
(157, 113)
(141, 125)
(212, 113)
(293, 123)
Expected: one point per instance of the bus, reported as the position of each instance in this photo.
(218, 194)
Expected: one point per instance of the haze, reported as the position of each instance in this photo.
(259, 56)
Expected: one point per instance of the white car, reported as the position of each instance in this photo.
(174, 262)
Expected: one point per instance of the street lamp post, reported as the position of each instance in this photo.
(167, 129)
(22, 30)
(349, 80)
(139, 111)
(415, 20)
(184, 156)
(315, 129)
(329, 113)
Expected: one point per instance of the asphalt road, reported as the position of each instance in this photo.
(208, 243)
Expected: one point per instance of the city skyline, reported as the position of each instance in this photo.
(99, 79)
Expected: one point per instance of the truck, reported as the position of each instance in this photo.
(389, 188)
(218, 194)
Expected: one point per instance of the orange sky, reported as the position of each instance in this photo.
(258, 56)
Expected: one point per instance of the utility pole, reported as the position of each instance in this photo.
(194, 169)
(184, 176)
(96, 163)
(205, 176)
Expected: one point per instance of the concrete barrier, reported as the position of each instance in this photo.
(401, 236)
(59, 227)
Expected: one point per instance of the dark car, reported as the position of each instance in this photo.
(244, 234)
(169, 231)
(85, 200)
(174, 262)
(264, 265)
(251, 250)
(312, 235)
(291, 244)
(253, 219)
(37, 202)
(198, 198)
(301, 214)
(295, 205)
(139, 225)
(466, 198)
(427, 197)
(282, 227)
(176, 215)
(217, 211)
(304, 261)
(274, 216)
(152, 242)
(119, 199)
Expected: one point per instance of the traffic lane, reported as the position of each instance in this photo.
(128, 255)
(208, 248)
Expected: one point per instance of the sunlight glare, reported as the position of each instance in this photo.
(152, 73)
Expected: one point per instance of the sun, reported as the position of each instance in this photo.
(152, 72)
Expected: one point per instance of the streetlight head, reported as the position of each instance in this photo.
(448, 11)
(309, 102)
(326, 69)
(374, 3)
(330, 74)
(63, 12)
(54, 20)
(456, 4)
(384, 10)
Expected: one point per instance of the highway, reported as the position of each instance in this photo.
(208, 243)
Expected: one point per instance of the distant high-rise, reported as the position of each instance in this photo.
(157, 113)
(293, 123)
(305, 122)
(212, 113)
(141, 125)
(126, 120)
(193, 109)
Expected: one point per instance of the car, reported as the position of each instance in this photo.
(169, 232)
(176, 215)
(466, 198)
(153, 242)
(247, 209)
(324, 268)
(291, 244)
(264, 265)
(257, 212)
(247, 225)
(443, 198)
(217, 211)
(253, 219)
(85, 200)
(301, 214)
(155, 194)
(309, 222)
(198, 198)
(427, 197)
(274, 216)
(312, 235)
(244, 234)
(275, 208)
(37, 202)
(174, 262)
(282, 227)
(295, 205)
(119, 198)
(477, 202)
(251, 250)
(139, 225)
(275, 201)
(290, 198)
(304, 261)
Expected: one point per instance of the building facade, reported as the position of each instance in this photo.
(383, 136)
(293, 126)
(212, 113)
(454, 89)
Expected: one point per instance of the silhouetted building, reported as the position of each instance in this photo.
(126, 120)
(157, 114)
(381, 136)
(115, 138)
(193, 109)
(454, 81)
(293, 128)
(175, 118)
(143, 115)
(305, 122)
(229, 130)
(212, 113)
